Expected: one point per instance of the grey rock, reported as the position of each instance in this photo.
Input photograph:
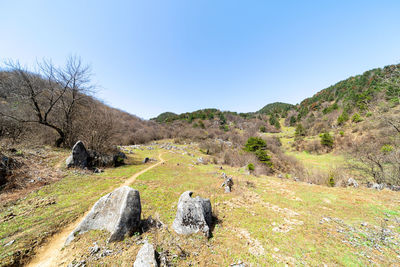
(117, 212)
(395, 187)
(193, 215)
(97, 170)
(377, 186)
(238, 264)
(106, 253)
(69, 162)
(228, 183)
(200, 160)
(93, 250)
(146, 256)
(352, 182)
(79, 156)
(9, 243)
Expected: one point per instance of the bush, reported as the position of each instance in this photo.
(326, 140)
(331, 180)
(251, 167)
(356, 118)
(263, 129)
(343, 118)
(263, 157)
(255, 143)
(300, 131)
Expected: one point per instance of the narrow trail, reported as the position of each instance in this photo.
(49, 253)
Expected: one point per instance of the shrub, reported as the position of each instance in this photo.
(255, 143)
(343, 118)
(263, 129)
(387, 148)
(274, 121)
(356, 118)
(251, 167)
(300, 131)
(326, 140)
(331, 180)
(263, 156)
(341, 133)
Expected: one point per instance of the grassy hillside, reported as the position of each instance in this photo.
(265, 220)
(355, 94)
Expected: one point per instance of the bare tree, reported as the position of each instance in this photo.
(49, 96)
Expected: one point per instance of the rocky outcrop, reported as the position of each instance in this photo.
(117, 212)
(83, 158)
(79, 156)
(146, 256)
(193, 215)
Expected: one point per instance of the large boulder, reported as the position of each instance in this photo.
(117, 212)
(146, 256)
(83, 158)
(79, 156)
(193, 215)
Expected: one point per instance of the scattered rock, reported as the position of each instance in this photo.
(97, 170)
(200, 160)
(9, 243)
(93, 250)
(352, 182)
(117, 212)
(193, 215)
(238, 264)
(77, 264)
(377, 186)
(228, 183)
(364, 224)
(106, 253)
(224, 176)
(146, 256)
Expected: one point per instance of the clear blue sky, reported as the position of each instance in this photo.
(154, 56)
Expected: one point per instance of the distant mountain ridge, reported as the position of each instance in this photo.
(350, 95)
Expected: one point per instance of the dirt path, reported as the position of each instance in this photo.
(49, 254)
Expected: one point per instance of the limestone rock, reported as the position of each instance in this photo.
(352, 182)
(193, 215)
(117, 212)
(228, 183)
(79, 156)
(146, 256)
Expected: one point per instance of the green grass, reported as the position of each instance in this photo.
(45, 211)
(248, 217)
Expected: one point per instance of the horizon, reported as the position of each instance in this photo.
(155, 57)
